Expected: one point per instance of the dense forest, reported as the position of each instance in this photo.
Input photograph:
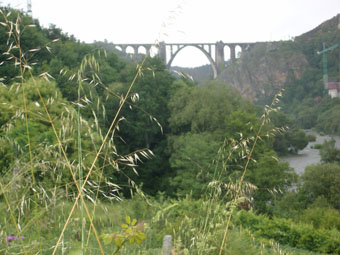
(199, 162)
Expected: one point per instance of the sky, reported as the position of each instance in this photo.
(182, 21)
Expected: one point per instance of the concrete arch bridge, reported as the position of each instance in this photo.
(213, 51)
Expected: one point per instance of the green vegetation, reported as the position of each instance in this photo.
(305, 98)
(328, 152)
(201, 154)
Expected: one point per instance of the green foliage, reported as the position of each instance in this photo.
(201, 116)
(13, 127)
(321, 215)
(329, 121)
(145, 122)
(128, 234)
(322, 180)
(290, 205)
(191, 160)
(31, 37)
(295, 235)
(298, 140)
(204, 108)
(311, 138)
(289, 139)
(272, 177)
(328, 152)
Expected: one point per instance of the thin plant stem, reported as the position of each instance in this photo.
(22, 63)
(12, 218)
(265, 116)
(80, 174)
(101, 148)
(70, 168)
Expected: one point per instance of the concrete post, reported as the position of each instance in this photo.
(167, 245)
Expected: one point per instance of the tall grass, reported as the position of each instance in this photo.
(46, 200)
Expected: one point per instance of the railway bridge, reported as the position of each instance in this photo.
(171, 50)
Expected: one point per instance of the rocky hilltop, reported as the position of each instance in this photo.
(265, 67)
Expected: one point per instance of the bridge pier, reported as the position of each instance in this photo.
(162, 51)
(219, 56)
(232, 53)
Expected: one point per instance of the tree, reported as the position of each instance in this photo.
(290, 139)
(191, 160)
(145, 123)
(328, 152)
(322, 180)
(204, 108)
(329, 121)
(13, 129)
(202, 117)
(273, 178)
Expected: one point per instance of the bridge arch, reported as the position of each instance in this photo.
(181, 47)
(142, 49)
(238, 51)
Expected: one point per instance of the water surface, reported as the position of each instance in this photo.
(309, 156)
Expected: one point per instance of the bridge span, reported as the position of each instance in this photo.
(217, 62)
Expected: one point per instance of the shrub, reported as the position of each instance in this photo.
(322, 180)
(286, 232)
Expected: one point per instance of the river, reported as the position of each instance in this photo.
(308, 155)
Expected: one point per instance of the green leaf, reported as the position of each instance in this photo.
(128, 220)
(118, 241)
(134, 221)
(124, 226)
(107, 238)
(140, 235)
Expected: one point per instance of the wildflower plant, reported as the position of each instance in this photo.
(129, 233)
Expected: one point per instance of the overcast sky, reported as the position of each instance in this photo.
(193, 21)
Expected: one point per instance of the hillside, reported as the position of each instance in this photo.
(266, 67)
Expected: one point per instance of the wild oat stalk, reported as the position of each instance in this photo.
(265, 119)
(21, 61)
(80, 155)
